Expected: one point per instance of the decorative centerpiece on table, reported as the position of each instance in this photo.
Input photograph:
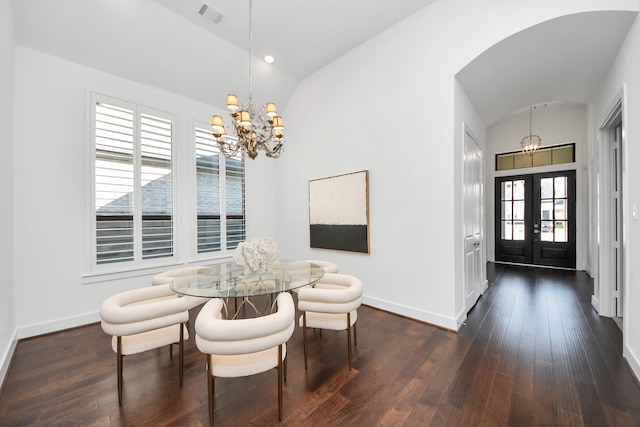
(256, 256)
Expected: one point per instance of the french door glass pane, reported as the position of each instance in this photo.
(546, 188)
(518, 210)
(507, 230)
(506, 190)
(546, 209)
(561, 209)
(561, 234)
(560, 187)
(506, 210)
(546, 232)
(518, 190)
(518, 230)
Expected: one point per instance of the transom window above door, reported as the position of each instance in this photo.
(556, 155)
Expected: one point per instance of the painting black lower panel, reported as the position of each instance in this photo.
(352, 238)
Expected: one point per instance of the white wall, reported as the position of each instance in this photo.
(626, 71)
(7, 312)
(51, 197)
(388, 106)
(556, 124)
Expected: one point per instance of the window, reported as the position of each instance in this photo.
(556, 155)
(553, 209)
(133, 187)
(512, 203)
(135, 207)
(220, 196)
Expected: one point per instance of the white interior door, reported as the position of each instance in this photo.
(616, 221)
(473, 220)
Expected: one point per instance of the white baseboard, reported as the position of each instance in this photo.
(595, 303)
(632, 361)
(57, 325)
(6, 358)
(413, 313)
(40, 329)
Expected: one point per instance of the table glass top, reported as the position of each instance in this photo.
(227, 280)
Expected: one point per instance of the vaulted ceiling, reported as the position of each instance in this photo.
(562, 60)
(168, 44)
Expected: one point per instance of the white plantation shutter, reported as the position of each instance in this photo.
(114, 183)
(209, 233)
(135, 209)
(133, 184)
(156, 186)
(220, 214)
(234, 186)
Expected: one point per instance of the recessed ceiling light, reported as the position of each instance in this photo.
(269, 59)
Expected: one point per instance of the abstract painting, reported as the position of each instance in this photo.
(339, 212)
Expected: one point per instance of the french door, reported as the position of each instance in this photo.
(535, 219)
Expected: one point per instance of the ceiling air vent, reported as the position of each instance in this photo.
(211, 13)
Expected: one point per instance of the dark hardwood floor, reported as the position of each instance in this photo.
(533, 352)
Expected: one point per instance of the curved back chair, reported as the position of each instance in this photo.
(243, 347)
(329, 267)
(332, 305)
(144, 319)
(166, 277)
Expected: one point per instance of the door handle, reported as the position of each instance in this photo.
(536, 231)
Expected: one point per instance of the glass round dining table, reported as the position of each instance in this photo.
(229, 280)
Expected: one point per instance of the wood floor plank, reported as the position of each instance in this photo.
(532, 352)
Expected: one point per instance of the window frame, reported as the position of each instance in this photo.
(138, 263)
(184, 197)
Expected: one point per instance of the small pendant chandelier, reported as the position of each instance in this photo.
(531, 143)
(254, 129)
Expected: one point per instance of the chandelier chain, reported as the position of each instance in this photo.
(530, 144)
(250, 51)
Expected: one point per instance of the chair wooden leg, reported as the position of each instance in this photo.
(355, 335)
(171, 351)
(210, 389)
(280, 382)
(304, 337)
(349, 338)
(285, 368)
(181, 358)
(119, 358)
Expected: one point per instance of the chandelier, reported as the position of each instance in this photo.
(530, 143)
(255, 129)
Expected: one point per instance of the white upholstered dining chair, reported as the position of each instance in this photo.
(145, 319)
(243, 347)
(184, 273)
(331, 304)
(329, 267)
